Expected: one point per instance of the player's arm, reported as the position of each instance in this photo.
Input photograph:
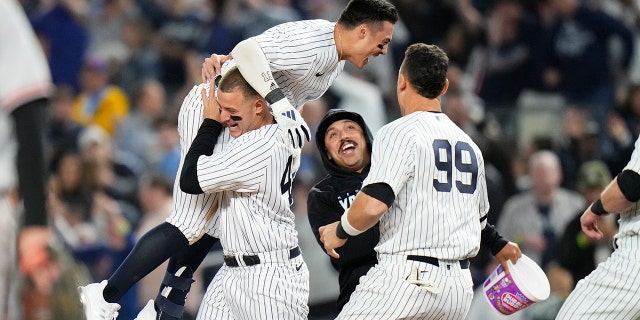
(323, 210)
(502, 249)
(365, 211)
(212, 66)
(203, 143)
(618, 196)
(29, 125)
(255, 68)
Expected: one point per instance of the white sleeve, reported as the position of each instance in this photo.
(254, 66)
(483, 198)
(391, 160)
(634, 162)
(25, 71)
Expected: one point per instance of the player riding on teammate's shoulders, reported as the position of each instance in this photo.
(364, 29)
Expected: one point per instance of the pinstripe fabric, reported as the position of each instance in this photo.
(254, 215)
(611, 291)
(254, 212)
(240, 291)
(295, 72)
(303, 58)
(630, 220)
(190, 211)
(214, 304)
(268, 291)
(385, 294)
(255, 218)
(437, 174)
(422, 220)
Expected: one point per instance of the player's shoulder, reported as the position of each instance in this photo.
(313, 24)
(395, 127)
(193, 100)
(298, 31)
(265, 135)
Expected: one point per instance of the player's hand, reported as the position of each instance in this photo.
(510, 252)
(330, 239)
(589, 224)
(212, 66)
(210, 109)
(290, 120)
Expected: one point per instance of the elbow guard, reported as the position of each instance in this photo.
(629, 183)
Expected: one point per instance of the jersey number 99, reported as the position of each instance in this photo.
(448, 164)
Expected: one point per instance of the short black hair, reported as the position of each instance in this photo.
(233, 80)
(425, 67)
(369, 12)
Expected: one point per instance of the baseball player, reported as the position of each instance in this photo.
(364, 29)
(344, 142)
(266, 277)
(189, 223)
(427, 189)
(611, 290)
(25, 85)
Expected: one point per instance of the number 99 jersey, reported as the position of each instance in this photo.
(437, 175)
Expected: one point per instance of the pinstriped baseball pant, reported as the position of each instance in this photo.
(385, 293)
(612, 290)
(278, 290)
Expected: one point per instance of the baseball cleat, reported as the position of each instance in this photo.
(95, 307)
(148, 312)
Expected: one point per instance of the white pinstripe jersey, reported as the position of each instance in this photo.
(630, 219)
(190, 211)
(437, 174)
(297, 52)
(253, 176)
(303, 58)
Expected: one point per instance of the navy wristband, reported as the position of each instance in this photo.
(597, 208)
(340, 233)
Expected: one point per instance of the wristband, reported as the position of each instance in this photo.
(340, 233)
(597, 208)
(274, 96)
(344, 222)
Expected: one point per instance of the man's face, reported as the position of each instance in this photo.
(237, 113)
(372, 44)
(346, 145)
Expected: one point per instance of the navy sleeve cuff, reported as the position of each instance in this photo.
(203, 144)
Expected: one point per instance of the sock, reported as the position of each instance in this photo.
(183, 264)
(154, 248)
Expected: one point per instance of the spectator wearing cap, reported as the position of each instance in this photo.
(99, 103)
(578, 253)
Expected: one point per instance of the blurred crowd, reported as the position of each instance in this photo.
(549, 90)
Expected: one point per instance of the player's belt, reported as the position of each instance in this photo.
(464, 264)
(252, 260)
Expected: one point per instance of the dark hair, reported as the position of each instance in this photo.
(425, 66)
(233, 80)
(370, 12)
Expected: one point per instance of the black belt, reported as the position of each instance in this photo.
(252, 260)
(464, 264)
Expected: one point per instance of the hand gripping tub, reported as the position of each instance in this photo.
(524, 285)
